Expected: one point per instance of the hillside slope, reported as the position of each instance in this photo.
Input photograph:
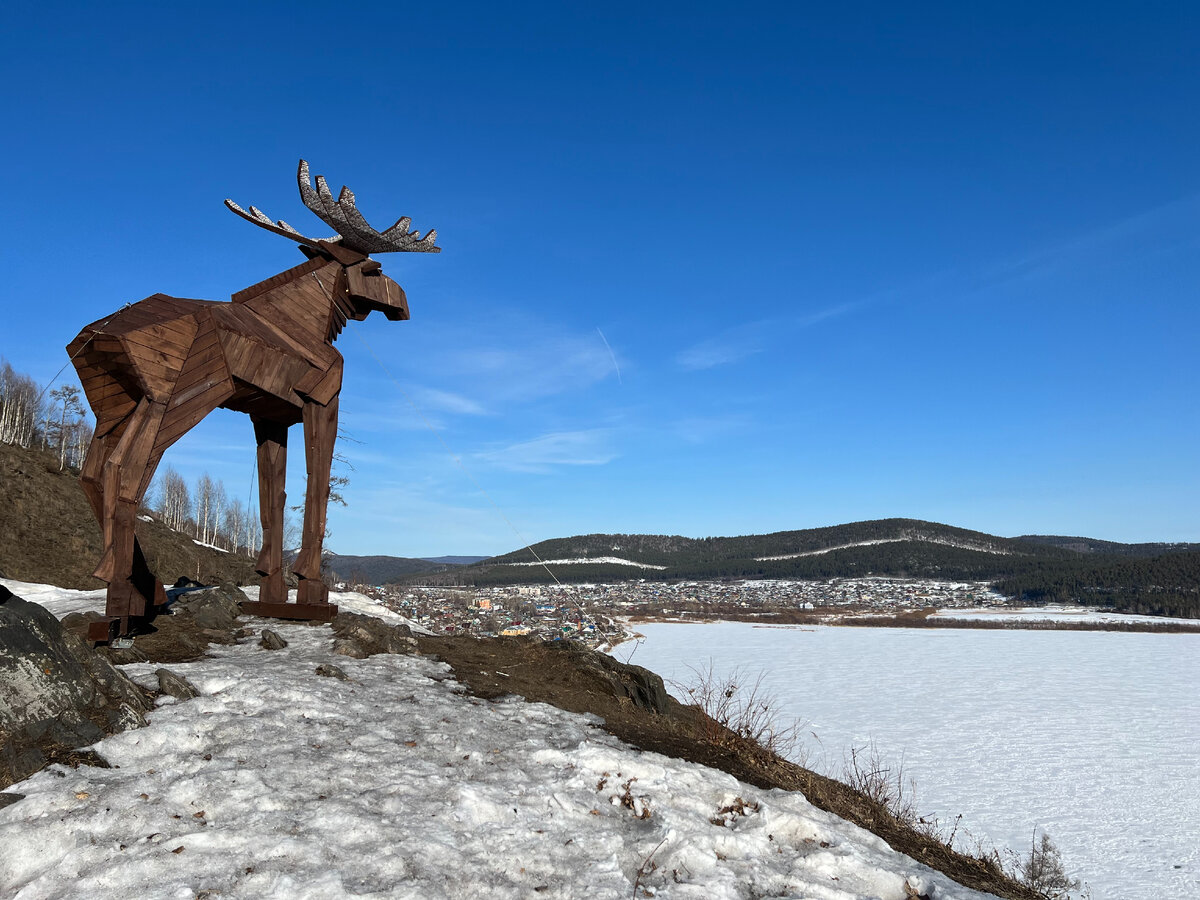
(51, 536)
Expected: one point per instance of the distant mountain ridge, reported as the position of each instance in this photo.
(1154, 578)
(385, 569)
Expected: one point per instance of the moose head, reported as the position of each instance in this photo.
(364, 286)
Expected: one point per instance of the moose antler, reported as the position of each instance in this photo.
(352, 229)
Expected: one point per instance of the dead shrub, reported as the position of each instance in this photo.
(883, 783)
(739, 708)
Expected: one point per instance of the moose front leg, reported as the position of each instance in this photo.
(119, 465)
(320, 433)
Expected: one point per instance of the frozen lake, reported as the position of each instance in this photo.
(1091, 736)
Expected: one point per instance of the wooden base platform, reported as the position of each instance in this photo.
(313, 612)
(104, 630)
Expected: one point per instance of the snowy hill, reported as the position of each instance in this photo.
(278, 782)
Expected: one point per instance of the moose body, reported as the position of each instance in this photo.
(154, 369)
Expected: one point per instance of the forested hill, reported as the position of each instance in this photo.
(384, 569)
(683, 554)
(1109, 548)
(1131, 577)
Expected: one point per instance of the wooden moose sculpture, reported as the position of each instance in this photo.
(154, 369)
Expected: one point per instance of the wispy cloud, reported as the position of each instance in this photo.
(1147, 233)
(751, 338)
(590, 447)
(509, 360)
(445, 401)
(728, 347)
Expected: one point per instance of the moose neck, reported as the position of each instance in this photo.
(300, 301)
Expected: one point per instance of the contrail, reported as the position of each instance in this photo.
(610, 353)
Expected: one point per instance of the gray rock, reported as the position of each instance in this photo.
(175, 685)
(214, 609)
(331, 671)
(362, 636)
(56, 693)
(271, 640)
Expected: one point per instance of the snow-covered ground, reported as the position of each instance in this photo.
(277, 782)
(60, 601)
(1084, 614)
(1090, 736)
(964, 545)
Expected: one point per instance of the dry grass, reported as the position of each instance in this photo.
(740, 716)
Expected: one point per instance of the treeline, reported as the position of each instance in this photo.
(36, 418)
(205, 512)
(1164, 585)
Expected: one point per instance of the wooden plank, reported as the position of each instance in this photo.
(298, 307)
(202, 367)
(96, 381)
(98, 392)
(255, 290)
(103, 343)
(113, 415)
(172, 342)
(328, 387)
(249, 323)
(184, 418)
(198, 380)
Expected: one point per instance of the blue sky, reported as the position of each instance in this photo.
(707, 269)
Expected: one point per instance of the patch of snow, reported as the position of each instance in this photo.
(946, 542)
(60, 601)
(1056, 614)
(209, 546)
(609, 560)
(64, 601)
(276, 782)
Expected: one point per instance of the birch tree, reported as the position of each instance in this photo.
(68, 419)
(174, 501)
(20, 407)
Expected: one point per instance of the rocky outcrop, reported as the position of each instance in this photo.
(639, 685)
(56, 693)
(362, 636)
(183, 632)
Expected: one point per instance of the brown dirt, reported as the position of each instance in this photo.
(51, 536)
(556, 674)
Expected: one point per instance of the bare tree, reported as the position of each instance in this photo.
(81, 439)
(218, 510)
(233, 525)
(70, 417)
(205, 495)
(254, 535)
(20, 407)
(174, 501)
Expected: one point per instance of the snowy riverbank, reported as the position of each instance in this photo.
(277, 782)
